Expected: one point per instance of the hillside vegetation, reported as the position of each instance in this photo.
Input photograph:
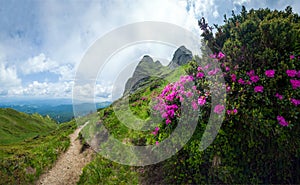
(16, 126)
(258, 52)
(30, 144)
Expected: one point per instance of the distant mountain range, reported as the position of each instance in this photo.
(60, 110)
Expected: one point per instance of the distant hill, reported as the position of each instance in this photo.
(60, 111)
(16, 126)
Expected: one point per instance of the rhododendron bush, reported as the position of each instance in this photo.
(259, 138)
(250, 82)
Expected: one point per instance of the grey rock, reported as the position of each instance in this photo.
(181, 56)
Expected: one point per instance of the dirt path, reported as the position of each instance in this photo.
(69, 166)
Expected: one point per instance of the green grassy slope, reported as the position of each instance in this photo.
(16, 126)
(29, 145)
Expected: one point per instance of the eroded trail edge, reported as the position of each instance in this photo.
(68, 167)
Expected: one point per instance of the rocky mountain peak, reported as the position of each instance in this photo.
(180, 57)
(147, 68)
(146, 58)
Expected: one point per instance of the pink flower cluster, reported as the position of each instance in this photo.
(279, 96)
(155, 132)
(219, 109)
(259, 89)
(291, 73)
(270, 73)
(295, 83)
(253, 77)
(174, 91)
(282, 121)
(218, 56)
(232, 112)
(295, 102)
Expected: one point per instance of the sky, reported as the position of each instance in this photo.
(43, 42)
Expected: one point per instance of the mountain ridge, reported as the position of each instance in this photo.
(148, 69)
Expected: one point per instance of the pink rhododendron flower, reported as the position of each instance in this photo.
(166, 90)
(155, 131)
(199, 68)
(233, 77)
(291, 73)
(168, 121)
(295, 83)
(228, 88)
(212, 55)
(200, 75)
(270, 73)
(227, 68)
(251, 73)
(279, 96)
(292, 57)
(234, 111)
(171, 96)
(164, 115)
(207, 66)
(282, 121)
(201, 100)
(295, 102)
(241, 81)
(156, 143)
(189, 94)
(221, 55)
(181, 99)
(219, 109)
(259, 88)
(194, 105)
(254, 79)
(213, 72)
(171, 113)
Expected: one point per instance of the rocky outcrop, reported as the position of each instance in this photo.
(181, 57)
(147, 69)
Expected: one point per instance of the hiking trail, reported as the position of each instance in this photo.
(68, 167)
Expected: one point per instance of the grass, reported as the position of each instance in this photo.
(103, 171)
(31, 145)
(16, 126)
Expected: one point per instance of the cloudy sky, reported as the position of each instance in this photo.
(42, 42)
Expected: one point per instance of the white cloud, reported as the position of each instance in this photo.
(65, 72)
(89, 92)
(38, 64)
(71, 28)
(203, 8)
(44, 89)
(241, 2)
(8, 77)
